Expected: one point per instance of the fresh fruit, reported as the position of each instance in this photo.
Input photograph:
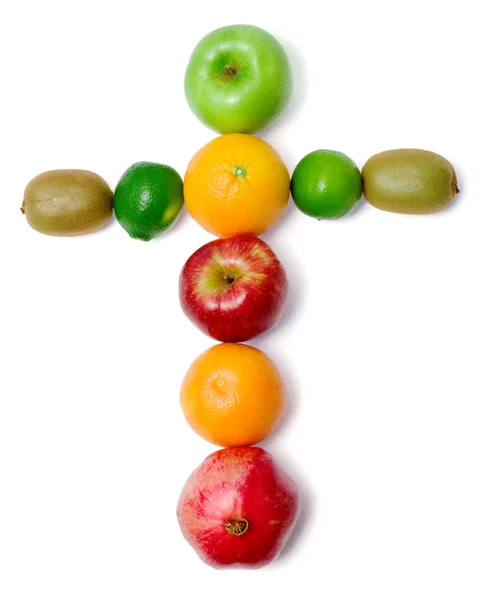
(238, 508)
(234, 288)
(409, 181)
(238, 79)
(67, 202)
(233, 395)
(148, 199)
(237, 183)
(326, 184)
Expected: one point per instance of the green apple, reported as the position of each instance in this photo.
(238, 79)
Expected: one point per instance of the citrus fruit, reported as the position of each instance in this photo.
(148, 199)
(326, 184)
(233, 395)
(237, 183)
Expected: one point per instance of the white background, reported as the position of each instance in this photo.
(380, 346)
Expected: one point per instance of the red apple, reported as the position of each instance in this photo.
(238, 508)
(234, 288)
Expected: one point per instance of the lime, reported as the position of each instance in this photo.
(326, 184)
(148, 199)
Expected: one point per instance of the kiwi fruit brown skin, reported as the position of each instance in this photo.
(67, 202)
(409, 181)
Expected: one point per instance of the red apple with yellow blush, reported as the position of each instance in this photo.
(234, 288)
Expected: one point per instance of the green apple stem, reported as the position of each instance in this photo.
(230, 70)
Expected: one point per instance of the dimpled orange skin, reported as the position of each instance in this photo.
(237, 183)
(233, 395)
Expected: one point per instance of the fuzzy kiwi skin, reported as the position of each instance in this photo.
(409, 181)
(67, 202)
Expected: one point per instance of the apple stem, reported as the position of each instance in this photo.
(236, 527)
(230, 70)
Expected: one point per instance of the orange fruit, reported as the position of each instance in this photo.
(233, 395)
(237, 183)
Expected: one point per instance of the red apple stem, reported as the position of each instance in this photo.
(236, 526)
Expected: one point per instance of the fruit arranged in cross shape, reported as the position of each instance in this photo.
(234, 288)
(238, 79)
(233, 395)
(238, 508)
(326, 184)
(236, 183)
(148, 199)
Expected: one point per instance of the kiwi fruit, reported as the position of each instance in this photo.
(67, 202)
(409, 181)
